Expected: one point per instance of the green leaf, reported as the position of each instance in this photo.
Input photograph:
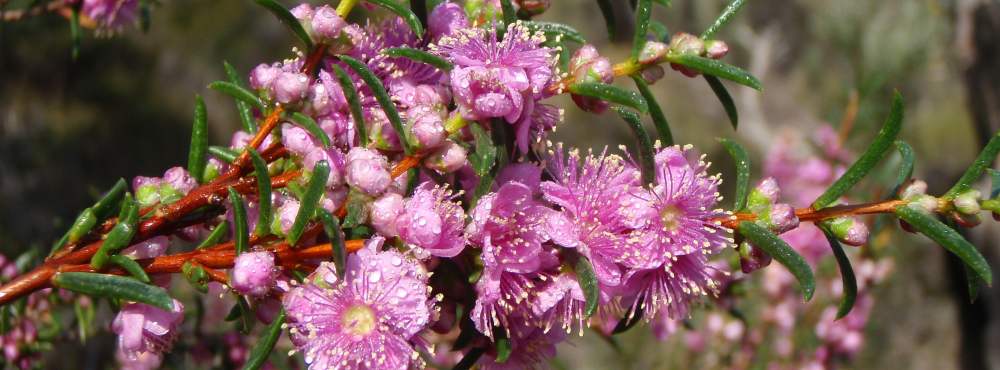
(948, 238)
(331, 225)
(643, 9)
(120, 235)
(723, 18)
(742, 161)
(984, 160)
(309, 201)
(215, 236)
(588, 283)
(848, 281)
(783, 253)
(608, 11)
(223, 153)
(655, 112)
(551, 28)
(868, 159)
(74, 31)
(246, 114)
(646, 160)
(241, 234)
(265, 343)
(354, 102)
(715, 68)
(83, 224)
(384, 101)
(106, 206)
(310, 125)
(238, 93)
(610, 93)
(130, 266)
(972, 283)
(905, 165)
(727, 101)
(263, 193)
(197, 158)
(113, 286)
(485, 154)
(419, 56)
(509, 14)
(660, 31)
(994, 182)
(631, 318)
(502, 347)
(404, 12)
(288, 19)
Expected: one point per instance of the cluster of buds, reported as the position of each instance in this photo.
(688, 44)
(771, 214)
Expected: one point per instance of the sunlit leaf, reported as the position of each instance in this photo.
(310, 201)
(848, 281)
(241, 232)
(984, 160)
(113, 286)
(265, 343)
(783, 253)
(237, 92)
(588, 283)
(727, 14)
(197, 153)
(742, 161)
(948, 238)
(715, 68)
(610, 93)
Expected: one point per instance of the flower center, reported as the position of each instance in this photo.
(358, 320)
(670, 217)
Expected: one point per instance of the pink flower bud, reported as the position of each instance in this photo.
(783, 218)
(445, 19)
(913, 189)
(752, 258)
(533, 7)
(263, 75)
(686, 43)
(303, 12)
(716, 49)
(253, 273)
(179, 179)
(427, 126)
(967, 203)
(290, 87)
(652, 51)
(326, 24)
(768, 188)
(367, 171)
(286, 215)
(652, 74)
(850, 231)
(448, 158)
(384, 213)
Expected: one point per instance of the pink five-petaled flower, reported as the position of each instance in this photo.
(509, 225)
(143, 329)
(499, 78)
(432, 222)
(593, 193)
(368, 319)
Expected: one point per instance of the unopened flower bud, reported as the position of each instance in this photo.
(367, 171)
(290, 87)
(925, 203)
(385, 211)
(968, 202)
(532, 7)
(303, 12)
(912, 189)
(783, 218)
(286, 217)
(445, 19)
(326, 24)
(716, 49)
(147, 193)
(652, 51)
(850, 231)
(686, 43)
(253, 273)
(652, 73)
(752, 258)
(965, 220)
(765, 194)
(448, 158)
(263, 75)
(427, 126)
(179, 179)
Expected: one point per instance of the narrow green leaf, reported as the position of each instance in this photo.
(222, 153)
(848, 281)
(106, 206)
(632, 317)
(263, 193)
(384, 101)
(74, 31)
(727, 101)
(994, 182)
(509, 14)
(130, 266)
(610, 93)
(608, 11)
(419, 8)
(485, 154)
(265, 343)
(419, 56)
(886, 136)
(742, 161)
(197, 157)
(215, 236)
(783, 253)
(972, 283)
(502, 347)
(567, 32)
(643, 10)
(646, 160)
(288, 19)
(309, 201)
(905, 165)
(661, 31)
(331, 225)
(241, 234)
(723, 18)
(113, 286)
(948, 238)
(246, 114)
(655, 112)
(83, 224)
(984, 160)
(404, 12)
(588, 283)
(310, 125)
(715, 68)
(354, 102)
(245, 317)
(120, 235)
(238, 93)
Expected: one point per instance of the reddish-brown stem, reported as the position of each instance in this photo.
(812, 215)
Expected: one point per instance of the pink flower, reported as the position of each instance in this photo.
(432, 222)
(144, 329)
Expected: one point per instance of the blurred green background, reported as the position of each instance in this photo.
(69, 129)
